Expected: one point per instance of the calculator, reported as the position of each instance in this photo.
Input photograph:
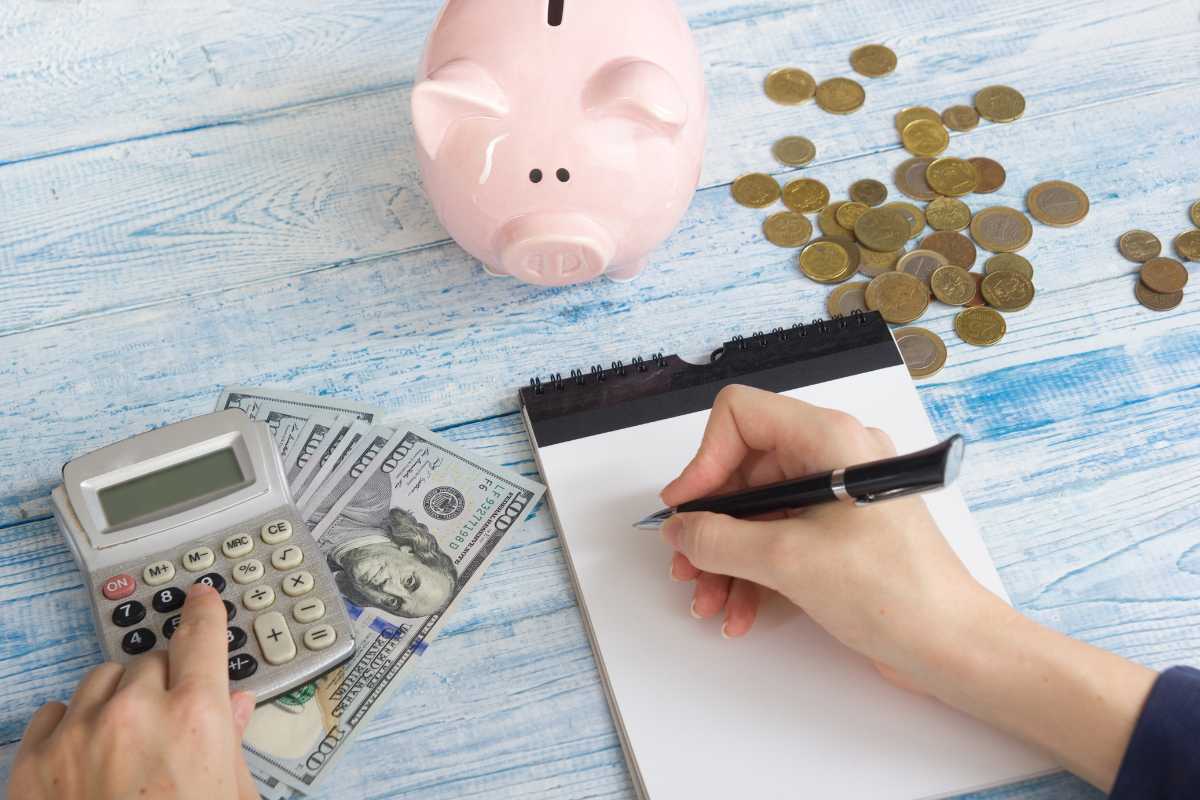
(204, 500)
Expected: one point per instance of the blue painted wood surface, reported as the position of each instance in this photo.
(196, 193)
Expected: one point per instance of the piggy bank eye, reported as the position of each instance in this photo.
(563, 175)
(535, 175)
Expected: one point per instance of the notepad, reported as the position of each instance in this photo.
(786, 711)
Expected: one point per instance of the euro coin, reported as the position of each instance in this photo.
(1187, 245)
(900, 298)
(827, 222)
(1194, 213)
(960, 118)
(952, 177)
(869, 192)
(1007, 290)
(925, 138)
(1011, 261)
(1001, 229)
(847, 298)
(957, 249)
(755, 190)
(1164, 275)
(948, 214)
(882, 229)
(849, 213)
(981, 326)
(1057, 203)
(840, 96)
(1139, 246)
(991, 174)
(789, 86)
(872, 60)
(914, 215)
(795, 151)
(787, 229)
(913, 114)
(923, 351)
(910, 178)
(953, 285)
(921, 264)
(1156, 301)
(825, 261)
(999, 103)
(873, 263)
(805, 195)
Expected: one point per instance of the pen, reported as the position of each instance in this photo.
(863, 484)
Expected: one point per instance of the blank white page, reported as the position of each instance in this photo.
(786, 711)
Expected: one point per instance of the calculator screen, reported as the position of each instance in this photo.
(206, 477)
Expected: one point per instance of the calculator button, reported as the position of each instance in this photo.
(298, 583)
(238, 545)
(198, 558)
(214, 580)
(171, 625)
(118, 586)
(138, 641)
(274, 638)
(235, 636)
(169, 599)
(275, 532)
(248, 571)
(131, 612)
(258, 598)
(309, 611)
(320, 637)
(288, 557)
(158, 573)
(230, 610)
(242, 666)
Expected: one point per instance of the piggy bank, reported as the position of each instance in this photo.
(560, 139)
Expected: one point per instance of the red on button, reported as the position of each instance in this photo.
(119, 586)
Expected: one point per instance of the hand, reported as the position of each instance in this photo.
(163, 727)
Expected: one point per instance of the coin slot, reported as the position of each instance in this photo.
(554, 14)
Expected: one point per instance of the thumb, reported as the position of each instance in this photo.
(243, 709)
(721, 544)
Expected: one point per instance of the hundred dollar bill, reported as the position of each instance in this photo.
(313, 484)
(343, 477)
(410, 535)
(313, 438)
(287, 412)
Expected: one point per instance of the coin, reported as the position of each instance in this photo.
(840, 96)
(1007, 290)
(1139, 246)
(868, 191)
(957, 248)
(921, 264)
(825, 261)
(789, 86)
(827, 221)
(847, 298)
(923, 351)
(1010, 261)
(980, 325)
(1156, 301)
(913, 114)
(795, 151)
(873, 60)
(755, 190)
(882, 229)
(977, 300)
(1164, 275)
(952, 177)
(787, 229)
(899, 297)
(999, 103)
(948, 214)
(991, 174)
(910, 178)
(914, 215)
(960, 118)
(1057, 203)
(1187, 245)
(805, 195)
(849, 213)
(1001, 229)
(874, 263)
(925, 138)
(1194, 213)
(952, 285)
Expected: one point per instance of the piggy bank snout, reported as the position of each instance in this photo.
(554, 249)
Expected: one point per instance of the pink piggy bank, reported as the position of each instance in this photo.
(560, 139)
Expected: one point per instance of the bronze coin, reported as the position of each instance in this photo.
(977, 301)
(827, 222)
(1187, 245)
(991, 174)
(960, 118)
(1003, 261)
(1164, 275)
(958, 249)
(1156, 301)
(789, 86)
(869, 192)
(1139, 246)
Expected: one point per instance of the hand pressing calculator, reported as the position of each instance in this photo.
(203, 500)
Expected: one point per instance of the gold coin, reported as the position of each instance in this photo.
(825, 261)
(952, 177)
(1194, 213)
(960, 118)
(1057, 203)
(755, 190)
(913, 114)
(900, 298)
(1010, 261)
(1164, 275)
(914, 215)
(923, 351)
(787, 229)
(847, 298)
(921, 264)
(1187, 245)
(874, 263)
(840, 96)
(789, 86)
(873, 60)
(1007, 290)
(882, 229)
(948, 214)
(827, 222)
(805, 195)
(1139, 246)
(868, 191)
(849, 213)
(795, 151)
(1001, 229)
(991, 174)
(980, 326)
(953, 285)
(999, 103)
(925, 138)
(910, 178)
(1156, 301)
(957, 248)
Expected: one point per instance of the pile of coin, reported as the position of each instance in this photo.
(923, 131)
(1161, 279)
(791, 86)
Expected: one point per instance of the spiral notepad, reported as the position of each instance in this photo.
(787, 711)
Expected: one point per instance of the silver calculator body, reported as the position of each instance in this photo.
(203, 500)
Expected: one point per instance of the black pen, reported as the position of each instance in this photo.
(863, 484)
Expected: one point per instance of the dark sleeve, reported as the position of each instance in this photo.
(1162, 761)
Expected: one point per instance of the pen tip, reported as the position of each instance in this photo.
(654, 521)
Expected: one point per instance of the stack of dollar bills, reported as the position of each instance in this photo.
(385, 503)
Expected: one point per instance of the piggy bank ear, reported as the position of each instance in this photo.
(639, 90)
(460, 89)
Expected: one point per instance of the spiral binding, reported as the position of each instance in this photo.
(598, 374)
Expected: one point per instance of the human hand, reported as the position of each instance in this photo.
(163, 727)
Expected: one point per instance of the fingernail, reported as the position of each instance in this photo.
(671, 572)
(725, 631)
(672, 529)
(693, 610)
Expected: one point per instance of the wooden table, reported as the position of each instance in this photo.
(199, 193)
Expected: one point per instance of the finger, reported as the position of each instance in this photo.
(682, 569)
(741, 608)
(95, 689)
(242, 705)
(148, 671)
(709, 597)
(199, 649)
(738, 548)
(43, 723)
(886, 446)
